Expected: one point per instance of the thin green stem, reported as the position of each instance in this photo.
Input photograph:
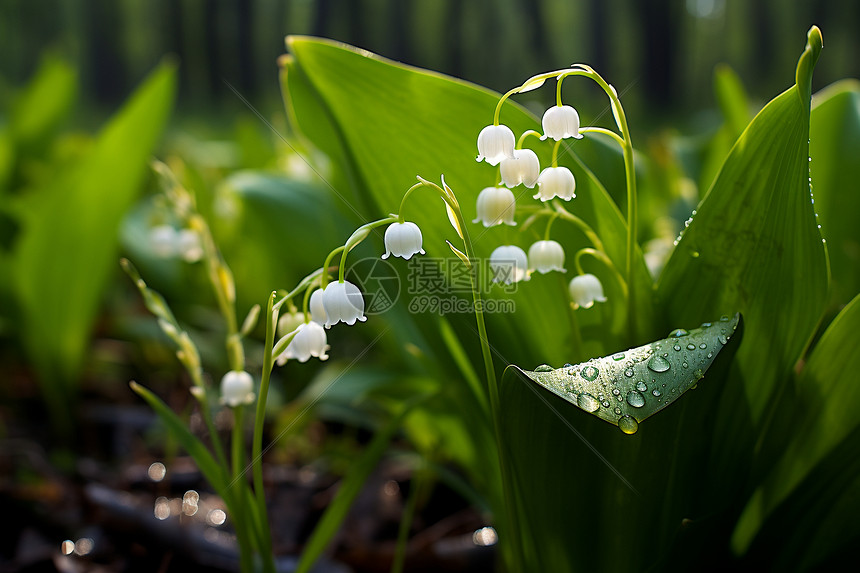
(524, 135)
(306, 304)
(499, 105)
(406, 520)
(607, 262)
(326, 264)
(630, 177)
(586, 229)
(356, 238)
(257, 443)
(609, 132)
(406, 196)
(558, 90)
(555, 152)
(550, 220)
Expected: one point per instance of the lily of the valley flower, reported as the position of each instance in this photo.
(288, 322)
(559, 122)
(315, 305)
(509, 264)
(343, 302)
(402, 240)
(310, 340)
(585, 290)
(496, 205)
(556, 182)
(546, 256)
(237, 387)
(523, 168)
(495, 142)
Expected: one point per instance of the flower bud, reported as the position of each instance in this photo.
(237, 387)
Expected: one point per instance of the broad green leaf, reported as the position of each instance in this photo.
(629, 386)
(834, 146)
(390, 122)
(828, 399)
(44, 103)
(754, 245)
(68, 245)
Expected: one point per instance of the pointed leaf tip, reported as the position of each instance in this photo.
(806, 64)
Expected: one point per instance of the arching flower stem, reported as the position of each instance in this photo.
(605, 260)
(406, 195)
(550, 220)
(555, 152)
(357, 237)
(584, 227)
(523, 137)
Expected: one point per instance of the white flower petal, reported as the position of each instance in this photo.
(585, 290)
(496, 205)
(288, 322)
(343, 302)
(560, 122)
(546, 256)
(309, 341)
(523, 168)
(495, 142)
(556, 182)
(402, 240)
(509, 264)
(315, 305)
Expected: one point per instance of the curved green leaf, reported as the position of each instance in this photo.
(629, 386)
(754, 244)
(834, 148)
(828, 397)
(68, 243)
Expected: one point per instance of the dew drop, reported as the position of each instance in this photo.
(699, 374)
(678, 333)
(617, 410)
(684, 364)
(590, 373)
(544, 368)
(665, 354)
(724, 318)
(616, 391)
(628, 425)
(573, 372)
(722, 338)
(656, 393)
(587, 402)
(703, 346)
(629, 373)
(677, 347)
(605, 403)
(705, 324)
(641, 386)
(691, 346)
(619, 356)
(567, 365)
(635, 399)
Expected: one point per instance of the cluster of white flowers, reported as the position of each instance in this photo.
(497, 205)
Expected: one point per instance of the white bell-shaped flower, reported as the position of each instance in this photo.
(496, 205)
(495, 142)
(315, 305)
(546, 256)
(309, 341)
(559, 122)
(402, 240)
(523, 168)
(556, 182)
(288, 322)
(509, 264)
(585, 290)
(343, 302)
(237, 387)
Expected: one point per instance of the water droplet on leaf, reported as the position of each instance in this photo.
(678, 333)
(629, 373)
(544, 368)
(641, 386)
(590, 373)
(635, 399)
(628, 425)
(587, 402)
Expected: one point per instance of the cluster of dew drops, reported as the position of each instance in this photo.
(656, 362)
